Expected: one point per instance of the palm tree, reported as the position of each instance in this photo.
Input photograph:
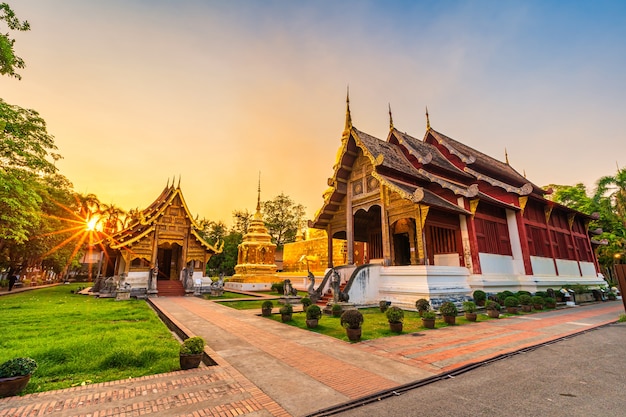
(611, 194)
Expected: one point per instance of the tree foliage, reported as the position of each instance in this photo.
(282, 217)
(9, 61)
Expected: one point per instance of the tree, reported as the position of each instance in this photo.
(9, 62)
(282, 217)
(242, 220)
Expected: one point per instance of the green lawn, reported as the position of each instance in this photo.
(78, 339)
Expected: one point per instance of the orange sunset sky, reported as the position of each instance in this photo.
(139, 92)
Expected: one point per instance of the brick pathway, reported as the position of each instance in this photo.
(265, 368)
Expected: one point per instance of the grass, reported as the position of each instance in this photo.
(622, 318)
(226, 295)
(78, 340)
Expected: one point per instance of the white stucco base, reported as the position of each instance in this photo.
(242, 286)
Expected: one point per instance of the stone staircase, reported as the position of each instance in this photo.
(170, 288)
(328, 296)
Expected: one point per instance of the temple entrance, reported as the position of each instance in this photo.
(402, 249)
(168, 258)
(368, 229)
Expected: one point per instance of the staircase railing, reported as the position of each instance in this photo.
(355, 274)
(325, 284)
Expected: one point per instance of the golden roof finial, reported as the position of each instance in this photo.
(258, 199)
(524, 173)
(427, 119)
(348, 116)
(390, 118)
(506, 156)
(178, 181)
(173, 180)
(168, 183)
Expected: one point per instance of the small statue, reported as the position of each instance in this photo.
(335, 282)
(311, 288)
(288, 289)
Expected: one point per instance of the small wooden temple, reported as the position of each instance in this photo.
(161, 249)
(440, 219)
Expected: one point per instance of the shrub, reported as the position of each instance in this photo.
(306, 301)
(550, 302)
(395, 314)
(382, 304)
(538, 300)
(279, 287)
(336, 309)
(492, 305)
(286, 309)
(479, 296)
(511, 301)
(422, 305)
(352, 319)
(469, 306)
(313, 312)
(429, 315)
(192, 346)
(448, 309)
(17, 367)
(501, 296)
(541, 294)
(525, 299)
(267, 304)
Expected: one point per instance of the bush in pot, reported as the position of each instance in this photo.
(306, 302)
(422, 305)
(449, 311)
(537, 302)
(525, 301)
(313, 314)
(15, 374)
(428, 319)
(191, 352)
(382, 304)
(479, 297)
(395, 317)
(511, 304)
(550, 302)
(352, 320)
(336, 309)
(493, 309)
(285, 312)
(266, 308)
(469, 309)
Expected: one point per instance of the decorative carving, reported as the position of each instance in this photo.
(522, 203)
(548, 211)
(357, 187)
(474, 205)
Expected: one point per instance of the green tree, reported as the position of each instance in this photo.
(282, 217)
(242, 220)
(9, 62)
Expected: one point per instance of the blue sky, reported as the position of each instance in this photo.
(137, 92)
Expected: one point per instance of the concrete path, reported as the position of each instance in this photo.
(266, 368)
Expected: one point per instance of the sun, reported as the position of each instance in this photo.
(92, 224)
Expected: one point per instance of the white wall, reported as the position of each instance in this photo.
(542, 266)
(496, 264)
(567, 268)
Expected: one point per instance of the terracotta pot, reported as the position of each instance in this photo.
(311, 323)
(471, 316)
(527, 309)
(190, 361)
(395, 327)
(13, 385)
(266, 312)
(354, 335)
(511, 310)
(449, 319)
(494, 314)
(538, 307)
(428, 323)
(285, 317)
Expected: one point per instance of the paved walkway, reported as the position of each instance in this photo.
(266, 368)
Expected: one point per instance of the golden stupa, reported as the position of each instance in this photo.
(255, 262)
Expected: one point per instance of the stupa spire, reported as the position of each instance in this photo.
(506, 156)
(348, 116)
(390, 118)
(427, 119)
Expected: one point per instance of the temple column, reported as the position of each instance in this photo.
(471, 231)
(523, 236)
(349, 226)
(384, 221)
(329, 233)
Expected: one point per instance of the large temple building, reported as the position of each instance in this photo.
(439, 220)
(161, 250)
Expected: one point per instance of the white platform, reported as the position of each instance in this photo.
(244, 286)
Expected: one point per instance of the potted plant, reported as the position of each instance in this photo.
(266, 308)
(395, 317)
(306, 302)
(14, 375)
(428, 319)
(336, 309)
(382, 304)
(550, 302)
(469, 309)
(525, 301)
(538, 302)
(493, 309)
(511, 304)
(191, 352)
(480, 297)
(449, 311)
(313, 314)
(351, 320)
(422, 305)
(285, 312)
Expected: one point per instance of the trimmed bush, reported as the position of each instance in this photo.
(538, 300)
(511, 301)
(525, 299)
(306, 301)
(352, 319)
(267, 304)
(479, 297)
(286, 309)
(17, 367)
(313, 312)
(469, 307)
(395, 314)
(192, 346)
(422, 305)
(448, 309)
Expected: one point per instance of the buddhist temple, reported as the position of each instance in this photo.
(439, 219)
(255, 269)
(161, 250)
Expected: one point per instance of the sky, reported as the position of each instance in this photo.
(139, 93)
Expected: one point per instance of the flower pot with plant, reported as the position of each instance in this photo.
(469, 309)
(306, 302)
(382, 305)
(525, 301)
(550, 302)
(511, 304)
(191, 352)
(285, 312)
(266, 308)
(428, 319)
(352, 320)
(422, 305)
(395, 317)
(14, 375)
(480, 297)
(336, 310)
(313, 314)
(449, 311)
(493, 309)
(538, 302)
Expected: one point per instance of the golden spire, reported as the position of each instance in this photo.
(178, 181)
(168, 183)
(524, 173)
(506, 156)
(427, 119)
(348, 117)
(257, 215)
(390, 118)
